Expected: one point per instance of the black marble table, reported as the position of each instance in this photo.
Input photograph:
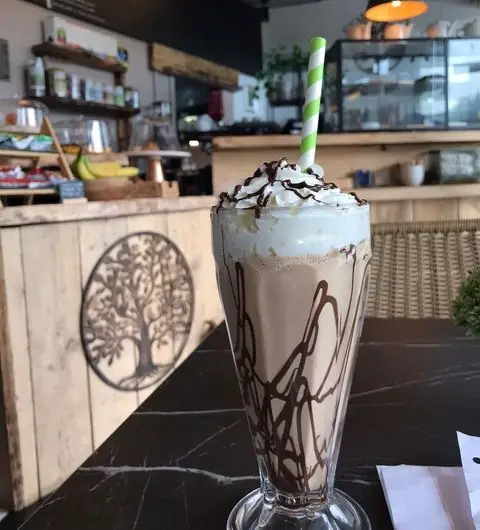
(184, 458)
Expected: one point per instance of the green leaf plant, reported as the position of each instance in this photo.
(466, 306)
(278, 62)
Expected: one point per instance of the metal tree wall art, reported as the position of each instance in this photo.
(137, 311)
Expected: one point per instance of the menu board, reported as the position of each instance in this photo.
(215, 30)
(90, 10)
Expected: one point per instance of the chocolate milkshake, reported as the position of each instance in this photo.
(292, 255)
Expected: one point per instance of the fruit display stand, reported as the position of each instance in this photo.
(157, 185)
(104, 181)
(35, 156)
(110, 181)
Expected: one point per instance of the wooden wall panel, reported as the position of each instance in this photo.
(469, 208)
(388, 211)
(51, 261)
(191, 231)
(435, 210)
(150, 223)
(169, 61)
(61, 408)
(19, 352)
(109, 406)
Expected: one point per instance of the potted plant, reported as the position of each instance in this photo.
(466, 306)
(282, 73)
(358, 29)
(398, 30)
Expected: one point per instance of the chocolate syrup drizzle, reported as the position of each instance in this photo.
(263, 195)
(290, 389)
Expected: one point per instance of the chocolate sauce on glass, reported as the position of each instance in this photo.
(290, 389)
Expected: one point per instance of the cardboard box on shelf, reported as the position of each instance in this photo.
(65, 32)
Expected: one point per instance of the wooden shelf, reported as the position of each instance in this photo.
(25, 153)
(77, 56)
(87, 107)
(12, 192)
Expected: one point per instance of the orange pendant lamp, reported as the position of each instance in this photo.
(394, 10)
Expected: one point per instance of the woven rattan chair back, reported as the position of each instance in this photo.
(417, 267)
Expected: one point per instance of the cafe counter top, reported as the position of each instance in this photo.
(60, 213)
(185, 458)
(285, 141)
(100, 302)
(340, 155)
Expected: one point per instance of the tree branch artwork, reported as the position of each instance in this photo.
(137, 311)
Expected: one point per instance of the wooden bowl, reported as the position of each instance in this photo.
(108, 189)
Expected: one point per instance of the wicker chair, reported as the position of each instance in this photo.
(417, 267)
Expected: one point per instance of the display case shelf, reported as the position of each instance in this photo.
(287, 102)
(403, 85)
(388, 85)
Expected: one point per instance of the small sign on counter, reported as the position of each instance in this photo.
(73, 190)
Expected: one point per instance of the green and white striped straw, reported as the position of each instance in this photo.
(311, 109)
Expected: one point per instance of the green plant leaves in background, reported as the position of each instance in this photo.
(466, 307)
(278, 62)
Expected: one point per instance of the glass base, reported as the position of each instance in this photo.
(341, 512)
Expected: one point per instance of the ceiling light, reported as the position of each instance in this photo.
(394, 10)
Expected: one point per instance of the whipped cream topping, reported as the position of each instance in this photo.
(282, 185)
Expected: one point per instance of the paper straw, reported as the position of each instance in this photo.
(311, 109)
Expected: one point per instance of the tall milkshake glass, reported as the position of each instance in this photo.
(292, 257)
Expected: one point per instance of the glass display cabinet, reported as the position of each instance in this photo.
(463, 89)
(397, 85)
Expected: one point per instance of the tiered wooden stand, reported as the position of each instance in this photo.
(27, 193)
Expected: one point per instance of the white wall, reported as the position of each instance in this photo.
(297, 24)
(20, 25)
(235, 104)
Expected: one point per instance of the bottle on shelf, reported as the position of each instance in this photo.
(35, 78)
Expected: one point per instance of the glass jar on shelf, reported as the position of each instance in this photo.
(21, 115)
(92, 135)
(153, 130)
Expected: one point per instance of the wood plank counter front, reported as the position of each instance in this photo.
(423, 203)
(100, 302)
(340, 155)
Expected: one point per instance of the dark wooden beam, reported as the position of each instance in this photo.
(174, 62)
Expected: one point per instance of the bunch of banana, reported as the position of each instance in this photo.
(86, 170)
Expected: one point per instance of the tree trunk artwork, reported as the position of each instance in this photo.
(138, 302)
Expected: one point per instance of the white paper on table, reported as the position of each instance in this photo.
(426, 498)
(470, 454)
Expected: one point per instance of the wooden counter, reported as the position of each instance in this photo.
(100, 302)
(236, 157)
(423, 203)
(348, 139)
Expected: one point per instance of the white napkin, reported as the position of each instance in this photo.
(470, 453)
(440, 498)
(421, 498)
